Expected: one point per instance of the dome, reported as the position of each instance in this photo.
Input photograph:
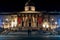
(29, 6)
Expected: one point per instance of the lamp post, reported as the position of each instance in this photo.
(52, 22)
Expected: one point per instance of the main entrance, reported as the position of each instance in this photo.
(29, 20)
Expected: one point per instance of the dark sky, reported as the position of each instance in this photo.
(18, 5)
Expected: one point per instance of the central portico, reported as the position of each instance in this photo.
(29, 17)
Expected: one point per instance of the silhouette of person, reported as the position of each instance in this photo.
(29, 31)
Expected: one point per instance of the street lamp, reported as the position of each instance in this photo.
(45, 25)
(3, 23)
(6, 19)
(52, 19)
(55, 22)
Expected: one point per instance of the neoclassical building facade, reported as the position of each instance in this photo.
(29, 18)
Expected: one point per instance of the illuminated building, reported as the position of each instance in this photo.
(29, 18)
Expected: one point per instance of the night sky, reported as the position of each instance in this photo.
(18, 5)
